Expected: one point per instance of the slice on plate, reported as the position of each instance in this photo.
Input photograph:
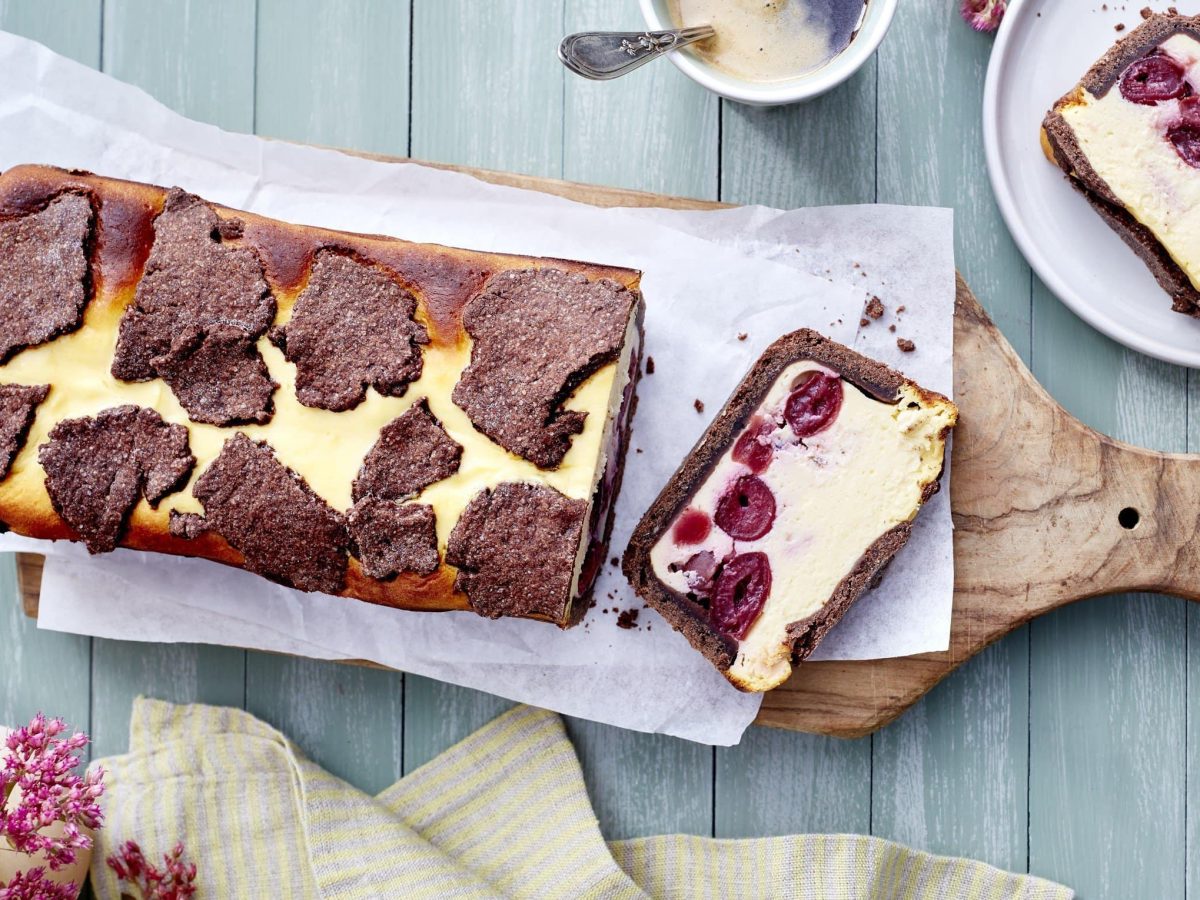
(1128, 135)
(789, 507)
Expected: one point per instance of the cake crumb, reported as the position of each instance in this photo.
(892, 328)
(649, 365)
(742, 336)
(900, 309)
(864, 322)
(637, 450)
(875, 307)
(1147, 12)
(614, 562)
(905, 345)
(699, 404)
(627, 618)
(1120, 26)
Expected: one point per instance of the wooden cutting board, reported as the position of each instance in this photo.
(1046, 512)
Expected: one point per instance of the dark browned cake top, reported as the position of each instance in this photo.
(219, 376)
(515, 549)
(537, 335)
(18, 405)
(271, 516)
(194, 281)
(44, 283)
(98, 466)
(390, 537)
(352, 327)
(413, 452)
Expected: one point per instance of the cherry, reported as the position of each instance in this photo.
(691, 527)
(746, 511)
(700, 570)
(741, 590)
(1151, 79)
(1186, 141)
(814, 403)
(751, 449)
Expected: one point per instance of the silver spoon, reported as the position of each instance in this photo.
(601, 55)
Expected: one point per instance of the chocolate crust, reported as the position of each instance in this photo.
(691, 617)
(1064, 150)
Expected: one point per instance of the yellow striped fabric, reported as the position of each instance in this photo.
(502, 814)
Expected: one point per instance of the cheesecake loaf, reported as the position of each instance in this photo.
(1128, 136)
(788, 508)
(411, 425)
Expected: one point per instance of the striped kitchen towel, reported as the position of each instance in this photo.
(502, 814)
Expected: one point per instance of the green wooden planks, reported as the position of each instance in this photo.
(487, 87)
(334, 73)
(69, 27)
(950, 775)
(42, 671)
(1107, 712)
(198, 58)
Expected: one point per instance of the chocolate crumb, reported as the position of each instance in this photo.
(193, 284)
(875, 308)
(638, 450)
(389, 537)
(413, 451)
(514, 547)
(353, 327)
(614, 562)
(98, 466)
(649, 365)
(1120, 26)
(864, 322)
(538, 334)
(906, 345)
(1147, 12)
(44, 280)
(218, 376)
(699, 404)
(269, 514)
(892, 328)
(900, 309)
(742, 336)
(627, 619)
(18, 407)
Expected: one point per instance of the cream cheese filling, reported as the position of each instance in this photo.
(1126, 145)
(325, 448)
(835, 494)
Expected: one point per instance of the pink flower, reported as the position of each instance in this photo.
(984, 15)
(34, 885)
(175, 881)
(41, 765)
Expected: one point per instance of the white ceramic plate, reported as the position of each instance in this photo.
(1042, 50)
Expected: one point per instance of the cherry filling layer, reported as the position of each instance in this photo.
(1158, 79)
(734, 583)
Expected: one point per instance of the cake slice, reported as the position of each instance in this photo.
(1128, 135)
(789, 507)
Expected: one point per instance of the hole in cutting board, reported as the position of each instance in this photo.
(1129, 518)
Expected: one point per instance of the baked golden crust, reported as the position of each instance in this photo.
(443, 279)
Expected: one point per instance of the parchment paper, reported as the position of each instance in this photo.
(708, 277)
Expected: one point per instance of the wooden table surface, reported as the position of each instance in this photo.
(1064, 750)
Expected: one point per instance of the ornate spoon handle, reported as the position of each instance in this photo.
(601, 55)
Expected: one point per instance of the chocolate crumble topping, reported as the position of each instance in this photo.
(271, 516)
(627, 618)
(194, 283)
(905, 345)
(390, 537)
(413, 452)
(351, 328)
(875, 308)
(219, 376)
(515, 549)
(18, 406)
(44, 281)
(98, 466)
(538, 334)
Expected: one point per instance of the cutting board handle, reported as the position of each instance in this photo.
(1046, 512)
